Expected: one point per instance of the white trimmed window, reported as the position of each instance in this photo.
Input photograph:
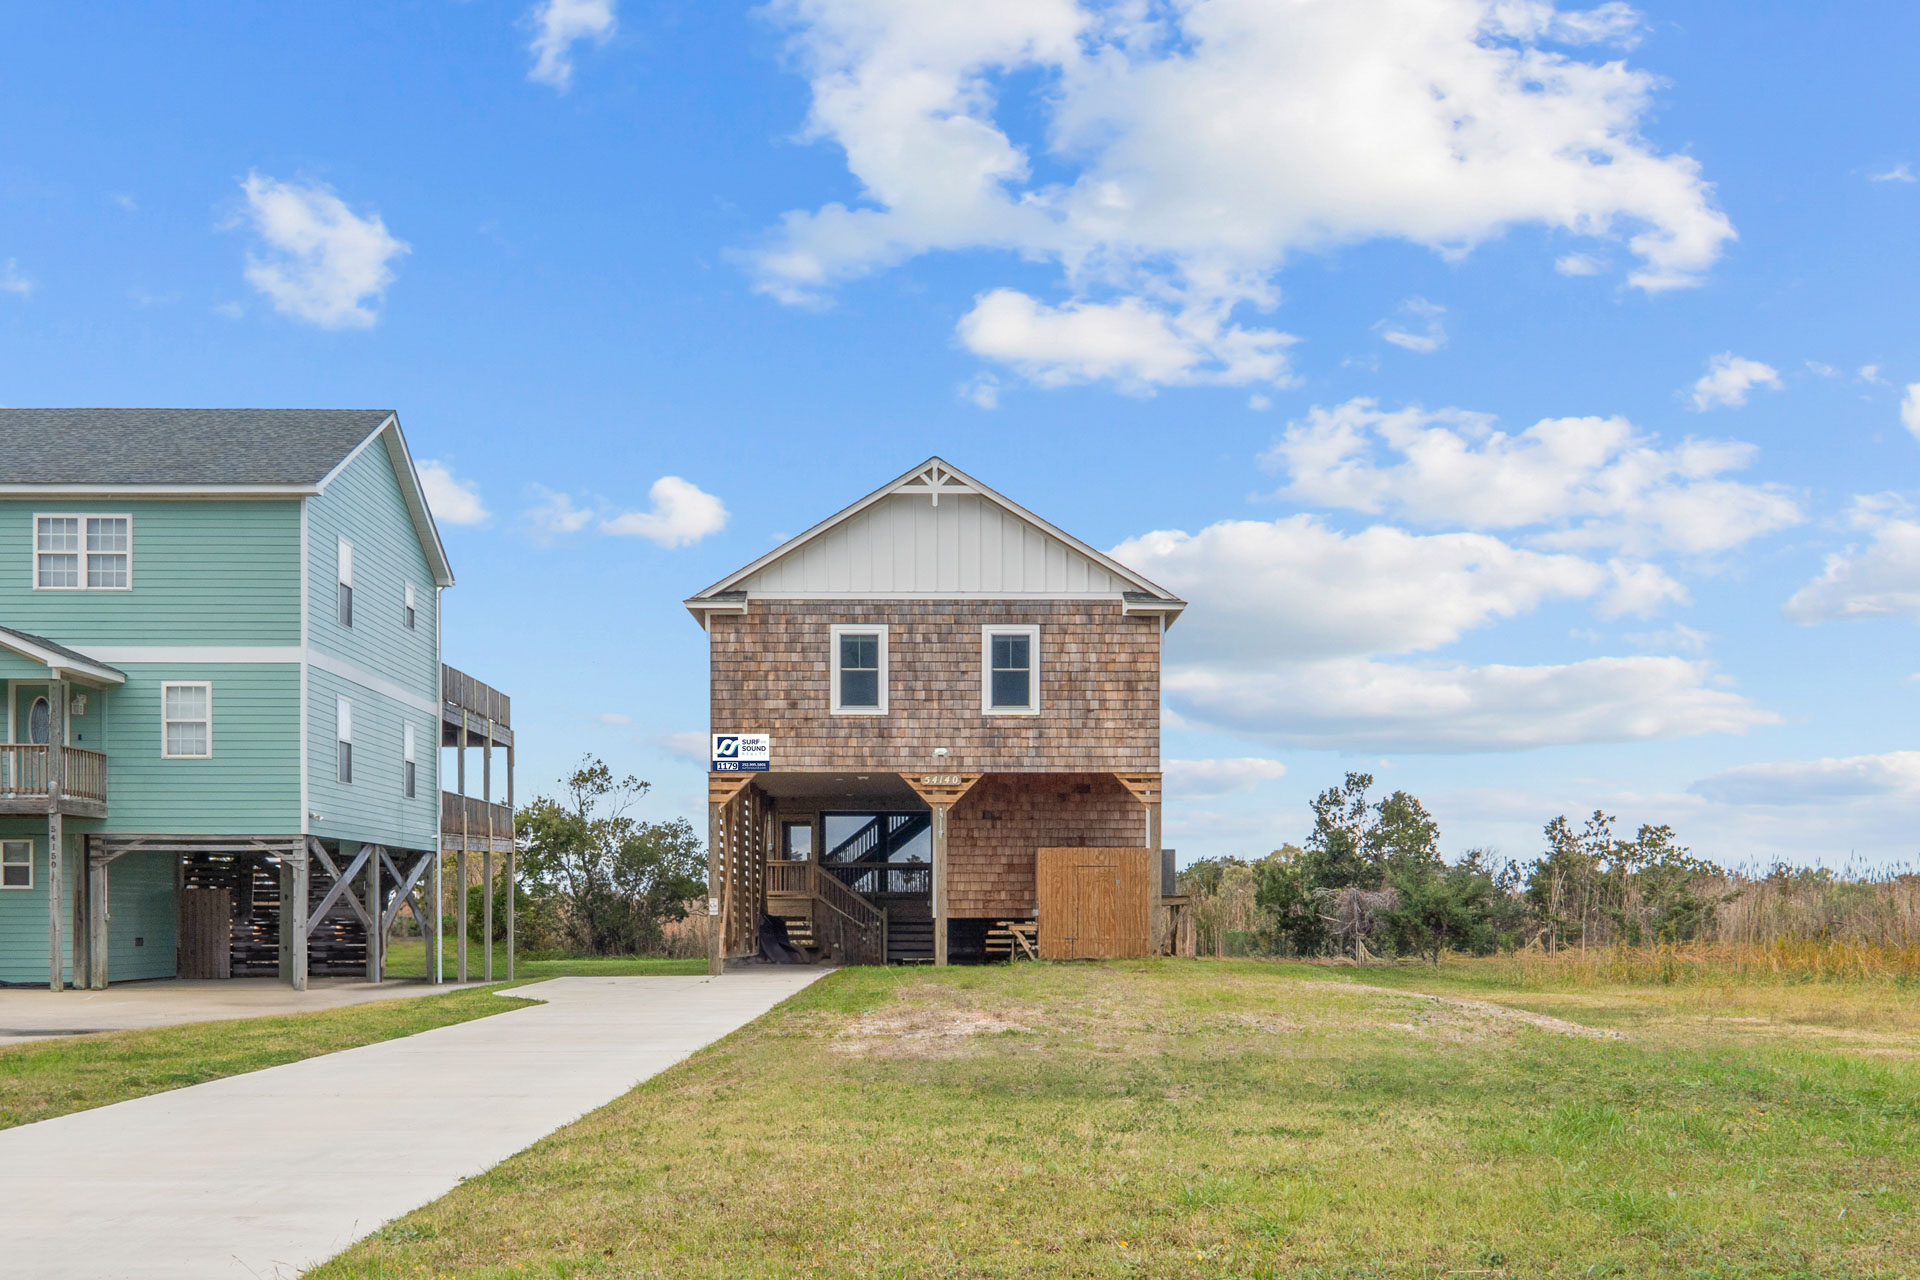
(859, 670)
(186, 720)
(343, 739)
(82, 553)
(1010, 671)
(16, 864)
(344, 605)
(408, 605)
(406, 761)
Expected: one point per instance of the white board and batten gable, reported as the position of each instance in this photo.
(935, 533)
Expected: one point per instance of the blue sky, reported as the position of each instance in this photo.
(1521, 395)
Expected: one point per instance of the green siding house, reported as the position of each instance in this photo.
(221, 696)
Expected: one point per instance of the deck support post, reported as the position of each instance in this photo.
(56, 834)
(512, 868)
(460, 858)
(296, 877)
(716, 950)
(940, 884)
(486, 858)
(437, 891)
(376, 917)
(95, 963)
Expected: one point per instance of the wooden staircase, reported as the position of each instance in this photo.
(824, 916)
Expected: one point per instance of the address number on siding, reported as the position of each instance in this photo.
(941, 780)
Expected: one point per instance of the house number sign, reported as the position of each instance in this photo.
(941, 780)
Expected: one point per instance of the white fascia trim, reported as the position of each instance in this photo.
(857, 596)
(305, 602)
(239, 653)
(373, 683)
(353, 453)
(162, 490)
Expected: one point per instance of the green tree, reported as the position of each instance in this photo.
(618, 879)
(1437, 907)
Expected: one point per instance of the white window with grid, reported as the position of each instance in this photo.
(410, 615)
(1010, 670)
(186, 720)
(344, 602)
(16, 864)
(406, 761)
(343, 739)
(82, 553)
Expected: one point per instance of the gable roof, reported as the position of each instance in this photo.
(180, 446)
(57, 657)
(205, 453)
(1014, 552)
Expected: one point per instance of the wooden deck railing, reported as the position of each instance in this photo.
(461, 691)
(806, 879)
(453, 806)
(23, 771)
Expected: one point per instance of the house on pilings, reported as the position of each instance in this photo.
(222, 699)
(950, 714)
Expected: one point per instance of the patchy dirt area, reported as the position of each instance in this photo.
(1465, 1013)
(930, 1023)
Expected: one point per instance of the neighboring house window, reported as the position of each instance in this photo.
(859, 670)
(1010, 670)
(343, 739)
(16, 864)
(410, 613)
(186, 720)
(75, 553)
(345, 612)
(406, 761)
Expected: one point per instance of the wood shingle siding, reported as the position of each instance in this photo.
(1099, 687)
(994, 832)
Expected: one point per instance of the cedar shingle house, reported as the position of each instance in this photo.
(949, 684)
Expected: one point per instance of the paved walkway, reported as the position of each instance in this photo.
(35, 1013)
(266, 1174)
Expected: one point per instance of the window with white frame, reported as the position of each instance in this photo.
(81, 553)
(859, 670)
(343, 739)
(186, 720)
(408, 604)
(344, 605)
(406, 761)
(1010, 670)
(16, 864)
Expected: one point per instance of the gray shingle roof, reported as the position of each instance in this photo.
(60, 649)
(179, 446)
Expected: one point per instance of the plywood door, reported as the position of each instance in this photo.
(206, 933)
(1095, 904)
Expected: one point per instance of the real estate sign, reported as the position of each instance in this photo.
(742, 752)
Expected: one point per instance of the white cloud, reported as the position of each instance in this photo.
(982, 392)
(1431, 334)
(1128, 342)
(615, 718)
(1357, 704)
(681, 515)
(1815, 782)
(1288, 590)
(686, 744)
(558, 26)
(1259, 403)
(1728, 381)
(1189, 150)
(452, 501)
(556, 513)
(1578, 264)
(1581, 482)
(1639, 590)
(322, 263)
(1881, 579)
(1870, 373)
(1901, 172)
(11, 281)
(1821, 369)
(1910, 409)
(1189, 778)
(1678, 637)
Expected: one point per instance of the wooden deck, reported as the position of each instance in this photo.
(24, 786)
(463, 825)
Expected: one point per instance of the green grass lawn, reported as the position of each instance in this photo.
(1223, 1119)
(45, 1078)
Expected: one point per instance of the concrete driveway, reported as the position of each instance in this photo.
(35, 1013)
(269, 1173)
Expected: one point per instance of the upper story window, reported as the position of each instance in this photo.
(345, 575)
(1010, 670)
(343, 739)
(186, 720)
(408, 606)
(406, 761)
(859, 670)
(82, 553)
(16, 864)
